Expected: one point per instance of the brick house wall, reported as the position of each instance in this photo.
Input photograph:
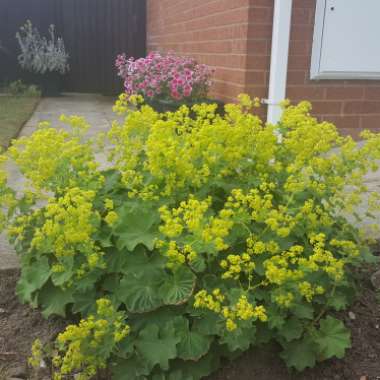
(214, 32)
(234, 36)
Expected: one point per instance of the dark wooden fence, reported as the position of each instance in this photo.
(94, 32)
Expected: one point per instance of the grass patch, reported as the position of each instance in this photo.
(14, 112)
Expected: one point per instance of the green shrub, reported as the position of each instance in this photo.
(18, 88)
(202, 237)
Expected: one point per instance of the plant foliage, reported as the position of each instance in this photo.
(39, 54)
(201, 237)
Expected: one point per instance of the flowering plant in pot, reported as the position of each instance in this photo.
(165, 81)
(45, 57)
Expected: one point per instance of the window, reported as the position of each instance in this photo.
(346, 42)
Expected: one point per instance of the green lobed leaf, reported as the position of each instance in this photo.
(104, 237)
(208, 323)
(303, 310)
(338, 301)
(33, 277)
(159, 317)
(333, 338)
(141, 294)
(275, 321)
(84, 303)
(157, 346)
(198, 265)
(116, 260)
(137, 224)
(239, 339)
(263, 334)
(195, 371)
(133, 368)
(144, 274)
(300, 354)
(292, 329)
(178, 287)
(367, 256)
(86, 283)
(140, 263)
(54, 300)
(193, 345)
(59, 278)
(112, 179)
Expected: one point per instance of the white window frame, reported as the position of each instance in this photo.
(315, 71)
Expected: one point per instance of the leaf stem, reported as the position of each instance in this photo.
(324, 308)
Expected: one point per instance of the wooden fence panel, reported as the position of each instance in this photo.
(94, 31)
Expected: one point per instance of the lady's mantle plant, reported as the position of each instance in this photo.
(39, 54)
(203, 237)
(167, 77)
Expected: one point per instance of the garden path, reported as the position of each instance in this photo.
(96, 109)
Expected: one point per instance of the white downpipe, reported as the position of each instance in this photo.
(279, 58)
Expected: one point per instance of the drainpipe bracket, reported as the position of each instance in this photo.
(270, 102)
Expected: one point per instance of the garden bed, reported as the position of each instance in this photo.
(20, 325)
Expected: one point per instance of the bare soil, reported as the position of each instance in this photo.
(20, 326)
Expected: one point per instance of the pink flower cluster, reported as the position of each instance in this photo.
(164, 76)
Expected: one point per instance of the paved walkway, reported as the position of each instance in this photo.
(96, 109)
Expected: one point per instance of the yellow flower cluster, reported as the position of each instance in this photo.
(293, 265)
(217, 229)
(163, 155)
(279, 268)
(176, 255)
(284, 299)
(111, 218)
(242, 310)
(258, 247)
(211, 301)
(69, 223)
(191, 217)
(108, 204)
(308, 290)
(234, 265)
(86, 346)
(348, 247)
(54, 158)
(8, 199)
(128, 141)
(258, 203)
(126, 103)
(37, 354)
(323, 259)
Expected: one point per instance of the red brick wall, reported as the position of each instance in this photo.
(352, 105)
(234, 36)
(259, 47)
(212, 31)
